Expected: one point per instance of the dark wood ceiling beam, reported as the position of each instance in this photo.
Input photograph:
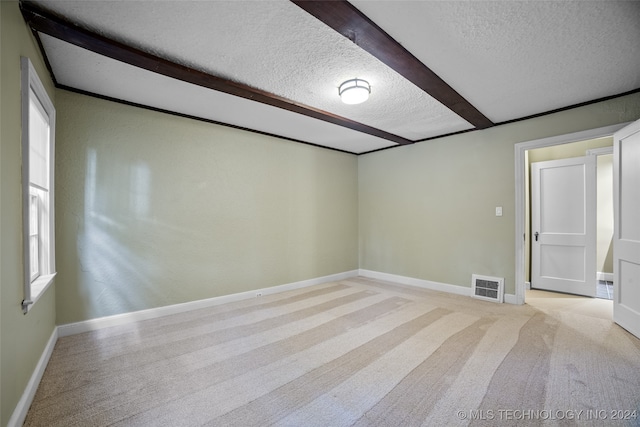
(42, 21)
(353, 24)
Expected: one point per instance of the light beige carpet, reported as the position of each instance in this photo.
(357, 352)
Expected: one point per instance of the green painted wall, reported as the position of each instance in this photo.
(154, 209)
(427, 210)
(22, 338)
(604, 239)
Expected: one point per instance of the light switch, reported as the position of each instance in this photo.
(498, 210)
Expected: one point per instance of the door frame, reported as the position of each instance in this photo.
(520, 172)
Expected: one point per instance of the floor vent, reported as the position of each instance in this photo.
(487, 288)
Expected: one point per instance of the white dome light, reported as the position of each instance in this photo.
(354, 91)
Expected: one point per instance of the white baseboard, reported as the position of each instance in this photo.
(427, 284)
(419, 283)
(152, 313)
(605, 276)
(20, 412)
(511, 299)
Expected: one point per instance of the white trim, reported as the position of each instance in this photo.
(426, 284)
(608, 277)
(30, 82)
(20, 412)
(152, 313)
(40, 285)
(419, 283)
(519, 152)
(600, 151)
(511, 299)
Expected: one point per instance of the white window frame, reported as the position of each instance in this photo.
(34, 235)
(40, 277)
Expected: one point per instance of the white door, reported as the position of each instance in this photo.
(563, 225)
(626, 234)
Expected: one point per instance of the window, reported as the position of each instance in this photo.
(38, 136)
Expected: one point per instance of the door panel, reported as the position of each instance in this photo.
(562, 262)
(563, 225)
(630, 295)
(562, 207)
(626, 237)
(630, 189)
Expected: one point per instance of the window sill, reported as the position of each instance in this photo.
(38, 288)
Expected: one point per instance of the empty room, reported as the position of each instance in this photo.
(319, 213)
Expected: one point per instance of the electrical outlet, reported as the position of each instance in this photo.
(258, 294)
(498, 210)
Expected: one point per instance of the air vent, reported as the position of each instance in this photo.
(487, 288)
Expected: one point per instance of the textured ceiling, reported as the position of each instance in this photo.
(88, 71)
(508, 59)
(512, 59)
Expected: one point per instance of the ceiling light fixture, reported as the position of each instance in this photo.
(354, 91)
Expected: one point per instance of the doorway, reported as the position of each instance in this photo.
(600, 276)
(522, 234)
